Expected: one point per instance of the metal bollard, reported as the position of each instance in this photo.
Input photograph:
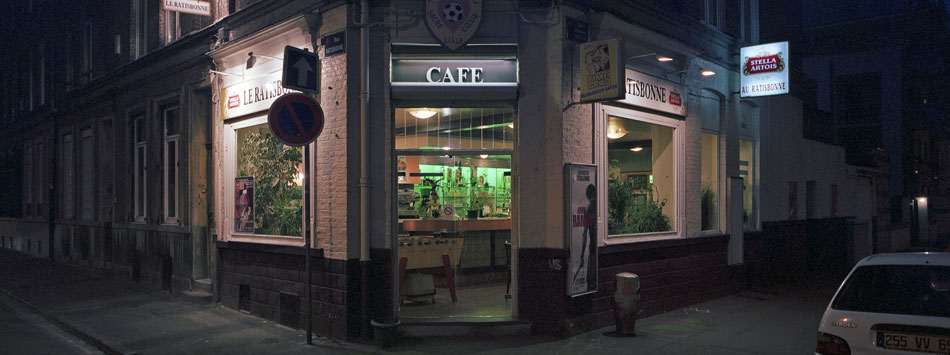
(626, 300)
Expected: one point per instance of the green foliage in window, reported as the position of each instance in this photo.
(627, 215)
(708, 200)
(278, 209)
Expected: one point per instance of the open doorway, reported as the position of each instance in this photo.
(454, 212)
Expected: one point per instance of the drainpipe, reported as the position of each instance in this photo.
(364, 160)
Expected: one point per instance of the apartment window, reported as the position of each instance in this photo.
(792, 200)
(139, 37)
(747, 172)
(87, 173)
(28, 179)
(811, 198)
(68, 168)
(138, 178)
(750, 21)
(40, 176)
(641, 176)
(87, 50)
(42, 75)
(172, 129)
(713, 13)
(172, 28)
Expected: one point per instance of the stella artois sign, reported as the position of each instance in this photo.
(453, 22)
(764, 70)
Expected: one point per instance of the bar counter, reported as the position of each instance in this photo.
(436, 225)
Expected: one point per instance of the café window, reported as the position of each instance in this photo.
(747, 172)
(641, 160)
(709, 195)
(268, 182)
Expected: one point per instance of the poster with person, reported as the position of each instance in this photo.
(581, 215)
(244, 204)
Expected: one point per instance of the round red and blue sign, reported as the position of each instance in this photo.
(295, 119)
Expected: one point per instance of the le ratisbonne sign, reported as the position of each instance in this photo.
(194, 7)
(252, 95)
(764, 70)
(654, 93)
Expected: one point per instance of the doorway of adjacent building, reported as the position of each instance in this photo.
(453, 178)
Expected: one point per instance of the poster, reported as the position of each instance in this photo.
(244, 204)
(602, 71)
(581, 216)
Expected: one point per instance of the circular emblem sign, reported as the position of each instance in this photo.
(295, 119)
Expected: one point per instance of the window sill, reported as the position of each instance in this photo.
(265, 239)
(643, 237)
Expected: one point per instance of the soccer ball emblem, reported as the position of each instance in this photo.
(453, 12)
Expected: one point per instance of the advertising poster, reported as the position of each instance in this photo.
(581, 213)
(764, 69)
(244, 204)
(602, 70)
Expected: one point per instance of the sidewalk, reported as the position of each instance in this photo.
(123, 319)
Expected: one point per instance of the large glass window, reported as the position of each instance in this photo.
(275, 202)
(709, 195)
(455, 128)
(747, 171)
(640, 177)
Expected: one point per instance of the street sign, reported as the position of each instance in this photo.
(333, 44)
(295, 119)
(300, 70)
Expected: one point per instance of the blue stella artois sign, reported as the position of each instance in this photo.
(453, 22)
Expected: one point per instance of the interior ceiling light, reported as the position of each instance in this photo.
(422, 113)
(511, 125)
(636, 149)
(615, 133)
(483, 156)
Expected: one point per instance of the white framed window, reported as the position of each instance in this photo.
(139, 37)
(274, 206)
(87, 193)
(139, 179)
(712, 13)
(67, 166)
(749, 27)
(749, 163)
(170, 185)
(710, 110)
(87, 50)
(40, 187)
(641, 158)
(28, 179)
(172, 28)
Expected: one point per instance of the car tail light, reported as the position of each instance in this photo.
(832, 345)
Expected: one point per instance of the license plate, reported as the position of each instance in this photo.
(914, 342)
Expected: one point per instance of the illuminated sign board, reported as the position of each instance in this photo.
(473, 78)
(201, 8)
(764, 70)
(252, 95)
(654, 93)
(601, 70)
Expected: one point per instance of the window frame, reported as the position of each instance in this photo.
(172, 28)
(718, 15)
(171, 209)
(230, 173)
(139, 167)
(600, 155)
(87, 200)
(749, 22)
(28, 179)
(719, 183)
(139, 25)
(68, 174)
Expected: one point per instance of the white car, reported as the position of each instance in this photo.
(890, 304)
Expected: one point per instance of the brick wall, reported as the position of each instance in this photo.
(270, 270)
(673, 274)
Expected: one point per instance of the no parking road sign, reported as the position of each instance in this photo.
(295, 119)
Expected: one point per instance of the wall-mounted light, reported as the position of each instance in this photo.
(707, 72)
(252, 59)
(422, 113)
(615, 132)
(223, 73)
(921, 200)
(636, 149)
(483, 156)
(659, 58)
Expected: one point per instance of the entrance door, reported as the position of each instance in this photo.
(454, 213)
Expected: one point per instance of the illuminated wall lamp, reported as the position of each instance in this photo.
(659, 58)
(636, 149)
(422, 113)
(252, 59)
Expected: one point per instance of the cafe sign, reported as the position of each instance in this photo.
(476, 78)
(252, 95)
(764, 70)
(654, 93)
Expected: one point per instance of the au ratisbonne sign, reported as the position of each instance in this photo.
(252, 95)
(202, 8)
(764, 69)
(654, 93)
